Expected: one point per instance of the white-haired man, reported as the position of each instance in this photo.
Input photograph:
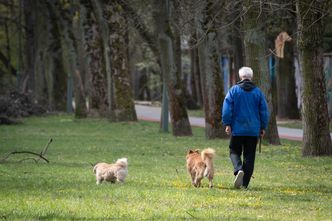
(245, 115)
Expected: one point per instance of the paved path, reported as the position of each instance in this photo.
(149, 113)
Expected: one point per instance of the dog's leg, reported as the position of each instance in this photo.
(99, 179)
(120, 180)
(198, 181)
(193, 179)
(210, 182)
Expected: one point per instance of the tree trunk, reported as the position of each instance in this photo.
(179, 116)
(316, 134)
(29, 47)
(48, 66)
(57, 67)
(124, 107)
(63, 17)
(80, 72)
(237, 45)
(40, 43)
(195, 78)
(255, 56)
(98, 9)
(92, 60)
(285, 67)
(212, 83)
(287, 100)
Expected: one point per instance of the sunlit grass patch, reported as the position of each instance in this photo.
(285, 185)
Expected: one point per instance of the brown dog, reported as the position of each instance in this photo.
(200, 165)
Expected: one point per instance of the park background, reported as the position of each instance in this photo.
(73, 70)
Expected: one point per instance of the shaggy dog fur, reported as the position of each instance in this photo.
(200, 165)
(111, 172)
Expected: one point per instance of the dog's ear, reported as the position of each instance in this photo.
(197, 151)
(190, 151)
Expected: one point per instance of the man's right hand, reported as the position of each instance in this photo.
(228, 130)
(262, 133)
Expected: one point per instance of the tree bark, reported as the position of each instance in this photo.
(255, 57)
(29, 46)
(79, 70)
(6, 62)
(287, 100)
(92, 60)
(48, 66)
(212, 83)
(285, 67)
(124, 107)
(98, 9)
(195, 75)
(316, 134)
(56, 71)
(171, 74)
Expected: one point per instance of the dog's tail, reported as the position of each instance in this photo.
(94, 169)
(207, 156)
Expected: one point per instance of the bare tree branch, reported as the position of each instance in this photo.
(41, 155)
(140, 26)
(6, 62)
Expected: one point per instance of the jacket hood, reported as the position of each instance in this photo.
(246, 85)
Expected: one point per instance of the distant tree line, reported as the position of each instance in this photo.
(105, 54)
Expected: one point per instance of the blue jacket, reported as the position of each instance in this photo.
(245, 109)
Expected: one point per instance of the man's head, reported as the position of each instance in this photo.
(245, 73)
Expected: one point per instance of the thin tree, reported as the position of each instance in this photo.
(44, 71)
(285, 68)
(171, 74)
(255, 57)
(211, 82)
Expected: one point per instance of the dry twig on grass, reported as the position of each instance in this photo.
(41, 155)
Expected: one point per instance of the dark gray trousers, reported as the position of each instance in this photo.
(247, 146)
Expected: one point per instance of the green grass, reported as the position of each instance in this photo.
(286, 186)
(297, 124)
(196, 113)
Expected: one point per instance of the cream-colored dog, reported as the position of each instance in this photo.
(279, 43)
(111, 172)
(200, 165)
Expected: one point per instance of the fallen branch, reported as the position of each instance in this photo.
(191, 215)
(40, 155)
(43, 152)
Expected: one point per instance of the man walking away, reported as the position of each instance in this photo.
(245, 115)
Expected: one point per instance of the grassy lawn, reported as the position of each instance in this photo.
(286, 186)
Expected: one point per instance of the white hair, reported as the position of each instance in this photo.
(122, 161)
(246, 73)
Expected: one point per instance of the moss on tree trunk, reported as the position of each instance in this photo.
(316, 134)
(211, 82)
(124, 108)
